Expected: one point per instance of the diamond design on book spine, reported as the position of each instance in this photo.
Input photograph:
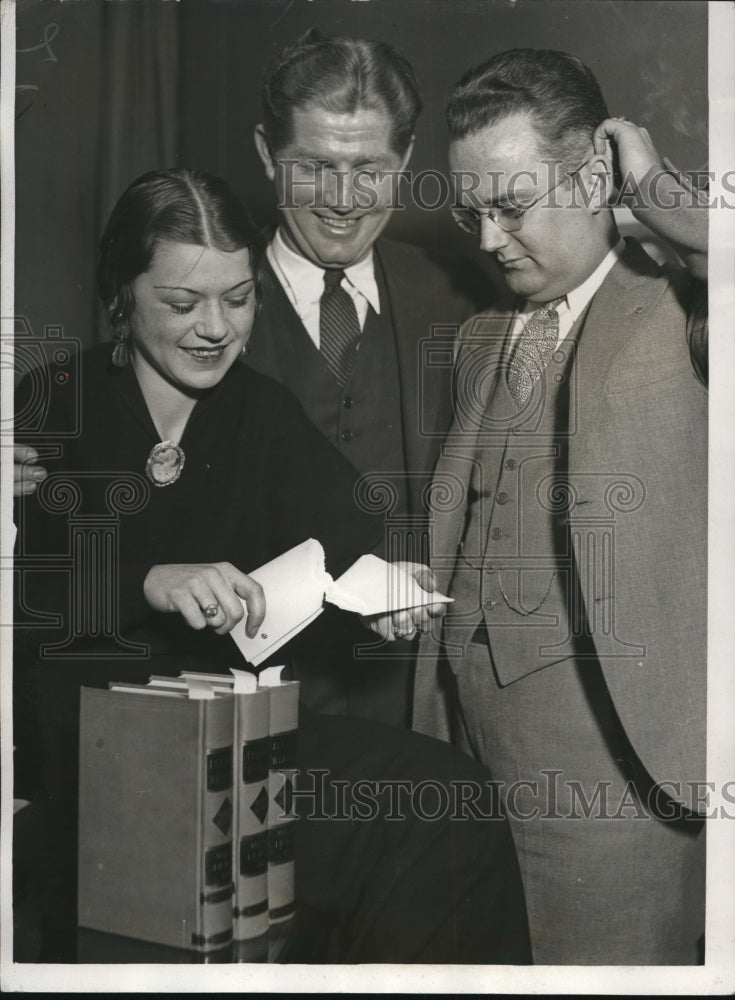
(284, 798)
(259, 805)
(223, 817)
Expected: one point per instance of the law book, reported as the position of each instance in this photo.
(251, 747)
(284, 716)
(297, 586)
(250, 837)
(156, 814)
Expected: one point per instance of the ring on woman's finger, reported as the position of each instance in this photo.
(211, 611)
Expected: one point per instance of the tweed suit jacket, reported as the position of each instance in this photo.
(641, 433)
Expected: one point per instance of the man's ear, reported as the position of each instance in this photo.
(264, 152)
(407, 154)
(601, 177)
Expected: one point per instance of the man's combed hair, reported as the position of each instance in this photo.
(558, 91)
(340, 75)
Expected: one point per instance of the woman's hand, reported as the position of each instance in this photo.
(206, 594)
(405, 624)
(26, 474)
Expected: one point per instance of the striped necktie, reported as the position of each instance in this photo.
(533, 351)
(339, 328)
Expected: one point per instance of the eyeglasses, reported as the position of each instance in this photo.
(508, 217)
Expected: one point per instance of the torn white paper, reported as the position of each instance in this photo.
(296, 586)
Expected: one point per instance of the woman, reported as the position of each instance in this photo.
(210, 469)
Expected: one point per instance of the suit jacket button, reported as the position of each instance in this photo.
(502, 498)
(348, 402)
(489, 604)
(510, 464)
(347, 435)
(496, 533)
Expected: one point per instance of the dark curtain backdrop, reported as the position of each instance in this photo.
(97, 104)
(135, 84)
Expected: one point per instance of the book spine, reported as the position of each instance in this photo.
(216, 803)
(284, 708)
(250, 839)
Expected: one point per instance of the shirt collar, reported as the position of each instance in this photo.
(306, 279)
(575, 301)
(578, 298)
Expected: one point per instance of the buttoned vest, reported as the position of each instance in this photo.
(515, 575)
(363, 420)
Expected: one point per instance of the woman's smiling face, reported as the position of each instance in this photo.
(194, 310)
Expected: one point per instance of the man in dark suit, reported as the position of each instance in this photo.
(345, 318)
(572, 662)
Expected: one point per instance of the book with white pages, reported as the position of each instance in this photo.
(297, 586)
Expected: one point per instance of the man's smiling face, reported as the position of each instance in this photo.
(333, 203)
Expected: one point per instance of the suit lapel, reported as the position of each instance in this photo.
(482, 406)
(401, 293)
(280, 344)
(267, 340)
(615, 316)
(449, 501)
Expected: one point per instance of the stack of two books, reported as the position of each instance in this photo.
(186, 822)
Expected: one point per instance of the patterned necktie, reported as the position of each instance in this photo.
(533, 351)
(339, 329)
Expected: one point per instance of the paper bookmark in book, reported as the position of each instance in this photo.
(296, 587)
(284, 715)
(156, 814)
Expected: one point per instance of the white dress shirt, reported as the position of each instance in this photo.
(574, 302)
(303, 283)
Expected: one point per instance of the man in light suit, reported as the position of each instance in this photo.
(338, 126)
(571, 528)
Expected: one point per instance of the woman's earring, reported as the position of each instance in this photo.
(120, 354)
